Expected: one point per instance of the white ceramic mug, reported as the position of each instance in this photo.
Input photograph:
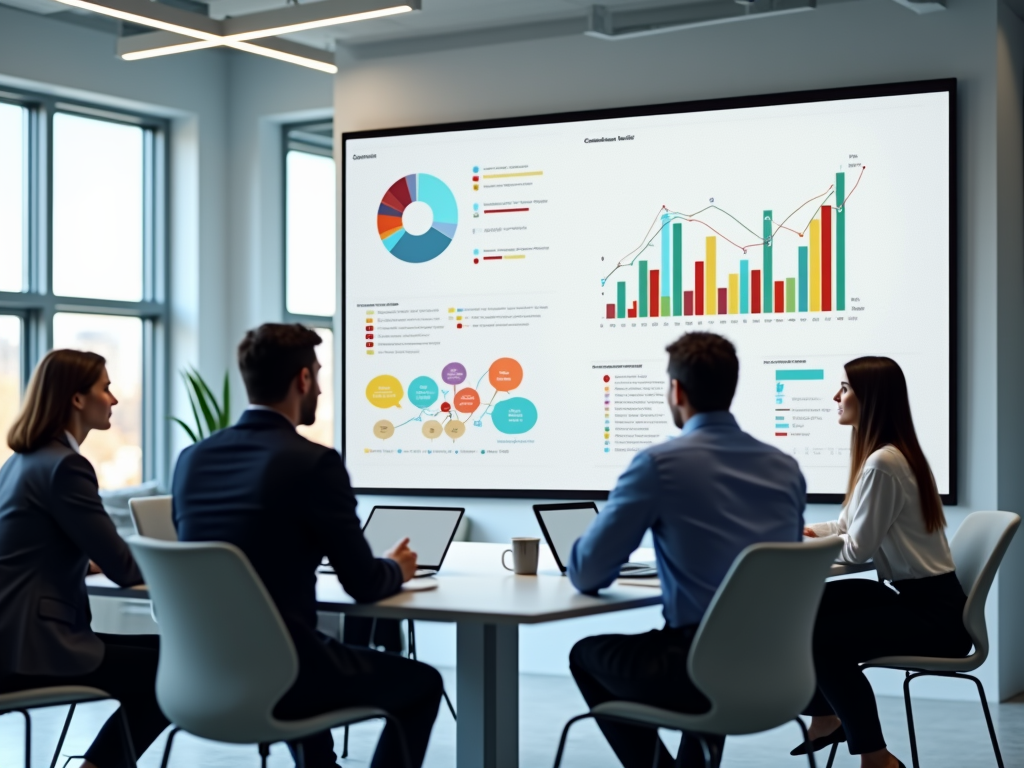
(525, 553)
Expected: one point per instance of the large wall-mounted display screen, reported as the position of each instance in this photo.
(509, 286)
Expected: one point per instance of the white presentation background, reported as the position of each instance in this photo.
(595, 204)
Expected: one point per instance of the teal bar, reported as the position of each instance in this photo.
(766, 276)
(644, 291)
(808, 374)
(622, 301)
(802, 288)
(665, 256)
(840, 241)
(677, 269)
(744, 287)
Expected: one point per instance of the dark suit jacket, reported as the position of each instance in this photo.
(51, 523)
(286, 503)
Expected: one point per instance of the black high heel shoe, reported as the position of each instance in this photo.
(836, 737)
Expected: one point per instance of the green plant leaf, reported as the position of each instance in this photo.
(226, 402)
(211, 421)
(192, 402)
(186, 427)
(209, 397)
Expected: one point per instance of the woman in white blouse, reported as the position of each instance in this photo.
(894, 517)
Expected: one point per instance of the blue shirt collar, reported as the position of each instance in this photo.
(709, 419)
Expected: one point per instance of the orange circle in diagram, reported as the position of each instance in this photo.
(506, 374)
(467, 400)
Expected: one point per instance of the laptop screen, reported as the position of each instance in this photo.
(562, 524)
(430, 531)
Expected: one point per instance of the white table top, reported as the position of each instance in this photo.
(473, 586)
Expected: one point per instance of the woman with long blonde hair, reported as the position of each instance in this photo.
(52, 523)
(893, 516)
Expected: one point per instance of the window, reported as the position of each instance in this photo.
(86, 272)
(310, 252)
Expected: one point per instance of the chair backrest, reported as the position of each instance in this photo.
(226, 657)
(752, 653)
(978, 548)
(153, 517)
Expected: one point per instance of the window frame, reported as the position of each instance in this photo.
(314, 145)
(37, 304)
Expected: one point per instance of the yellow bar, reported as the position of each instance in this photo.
(734, 294)
(516, 256)
(512, 175)
(815, 266)
(710, 279)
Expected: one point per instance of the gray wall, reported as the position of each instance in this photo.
(843, 44)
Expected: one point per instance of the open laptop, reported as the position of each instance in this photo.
(430, 531)
(562, 524)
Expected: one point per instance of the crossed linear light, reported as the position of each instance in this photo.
(181, 31)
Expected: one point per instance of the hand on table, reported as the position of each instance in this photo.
(405, 558)
(809, 533)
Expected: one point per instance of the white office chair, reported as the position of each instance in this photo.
(35, 698)
(226, 657)
(153, 517)
(978, 548)
(751, 655)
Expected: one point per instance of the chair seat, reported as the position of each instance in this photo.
(704, 722)
(275, 729)
(50, 697)
(927, 663)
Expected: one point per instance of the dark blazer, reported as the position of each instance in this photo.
(52, 523)
(286, 503)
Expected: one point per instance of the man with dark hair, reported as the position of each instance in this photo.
(705, 496)
(287, 503)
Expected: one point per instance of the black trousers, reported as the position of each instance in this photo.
(861, 620)
(336, 675)
(128, 673)
(648, 669)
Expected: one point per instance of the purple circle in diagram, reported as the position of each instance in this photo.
(453, 373)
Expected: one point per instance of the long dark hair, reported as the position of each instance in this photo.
(881, 390)
(47, 408)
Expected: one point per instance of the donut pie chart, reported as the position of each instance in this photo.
(418, 248)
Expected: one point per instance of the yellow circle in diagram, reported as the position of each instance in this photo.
(385, 392)
(432, 429)
(455, 429)
(383, 429)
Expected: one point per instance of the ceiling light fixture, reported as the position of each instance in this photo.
(181, 31)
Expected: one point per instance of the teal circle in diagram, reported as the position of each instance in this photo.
(422, 392)
(514, 416)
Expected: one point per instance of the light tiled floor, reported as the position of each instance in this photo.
(950, 734)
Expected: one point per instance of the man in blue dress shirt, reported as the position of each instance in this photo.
(705, 496)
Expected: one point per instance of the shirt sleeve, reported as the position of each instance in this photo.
(831, 528)
(632, 508)
(872, 510)
(78, 510)
(335, 523)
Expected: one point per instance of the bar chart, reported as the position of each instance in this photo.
(700, 286)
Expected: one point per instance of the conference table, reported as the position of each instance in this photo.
(488, 604)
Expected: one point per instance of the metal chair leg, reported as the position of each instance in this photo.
(28, 737)
(300, 755)
(832, 755)
(910, 720)
(565, 735)
(807, 742)
(63, 734)
(406, 760)
(448, 701)
(264, 754)
(167, 747)
(344, 745)
(988, 719)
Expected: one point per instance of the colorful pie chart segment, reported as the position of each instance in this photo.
(402, 244)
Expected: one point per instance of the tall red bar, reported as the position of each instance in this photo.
(723, 301)
(826, 258)
(755, 292)
(698, 287)
(655, 303)
(687, 302)
(780, 295)
(609, 311)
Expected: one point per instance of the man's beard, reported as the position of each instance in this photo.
(307, 412)
(677, 419)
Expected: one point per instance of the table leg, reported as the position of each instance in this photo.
(488, 695)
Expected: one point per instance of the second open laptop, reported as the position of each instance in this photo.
(562, 524)
(430, 531)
